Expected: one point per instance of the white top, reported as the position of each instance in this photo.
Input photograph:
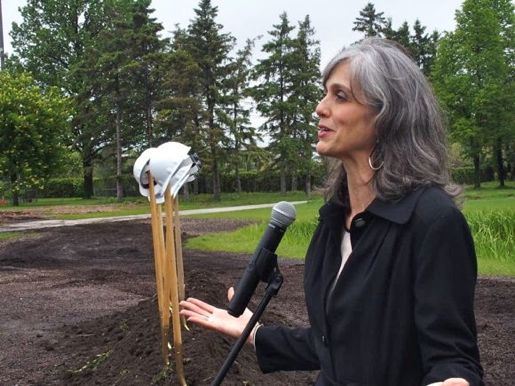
(346, 249)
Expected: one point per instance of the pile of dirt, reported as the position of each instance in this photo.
(78, 308)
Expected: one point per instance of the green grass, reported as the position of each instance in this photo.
(244, 240)
(489, 197)
(490, 212)
(10, 235)
(139, 205)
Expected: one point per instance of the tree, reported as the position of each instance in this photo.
(125, 64)
(51, 43)
(272, 92)
(306, 93)
(210, 49)
(473, 77)
(423, 47)
(369, 21)
(33, 128)
(420, 46)
(242, 135)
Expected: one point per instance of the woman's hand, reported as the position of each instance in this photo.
(207, 316)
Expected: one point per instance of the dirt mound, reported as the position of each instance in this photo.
(78, 307)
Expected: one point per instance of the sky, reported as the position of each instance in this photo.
(245, 19)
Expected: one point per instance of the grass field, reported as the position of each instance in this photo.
(490, 212)
(109, 207)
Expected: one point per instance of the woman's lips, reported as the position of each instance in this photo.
(324, 132)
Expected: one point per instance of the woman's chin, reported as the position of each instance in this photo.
(322, 149)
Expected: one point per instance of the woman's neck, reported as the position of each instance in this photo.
(361, 193)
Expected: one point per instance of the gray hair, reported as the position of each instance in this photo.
(411, 135)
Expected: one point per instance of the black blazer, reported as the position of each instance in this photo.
(401, 313)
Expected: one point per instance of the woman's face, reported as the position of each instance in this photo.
(346, 127)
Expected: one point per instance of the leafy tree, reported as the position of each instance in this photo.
(306, 93)
(370, 22)
(272, 92)
(210, 49)
(473, 77)
(51, 43)
(33, 128)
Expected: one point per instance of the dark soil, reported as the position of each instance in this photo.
(78, 308)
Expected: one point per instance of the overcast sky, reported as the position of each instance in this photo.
(332, 19)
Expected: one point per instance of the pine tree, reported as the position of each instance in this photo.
(242, 135)
(370, 22)
(272, 93)
(210, 49)
(306, 93)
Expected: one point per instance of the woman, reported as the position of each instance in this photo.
(390, 272)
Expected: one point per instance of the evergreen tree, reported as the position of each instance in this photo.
(370, 22)
(272, 93)
(423, 47)
(242, 135)
(306, 93)
(210, 49)
(146, 67)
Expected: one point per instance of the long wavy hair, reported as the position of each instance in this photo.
(411, 147)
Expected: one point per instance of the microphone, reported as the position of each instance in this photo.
(264, 259)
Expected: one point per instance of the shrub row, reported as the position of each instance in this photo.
(250, 182)
(465, 175)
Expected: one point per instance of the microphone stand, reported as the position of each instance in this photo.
(275, 281)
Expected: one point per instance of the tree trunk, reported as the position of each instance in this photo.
(119, 186)
(216, 175)
(293, 183)
(238, 180)
(501, 173)
(16, 196)
(307, 186)
(477, 172)
(150, 131)
(87, 166)
(283, 180)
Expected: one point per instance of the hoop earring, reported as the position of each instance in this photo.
(374, 168)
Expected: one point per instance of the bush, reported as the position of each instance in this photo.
(465, 175)
(63, 187)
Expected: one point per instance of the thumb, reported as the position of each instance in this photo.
(230, 293)
(455, 382)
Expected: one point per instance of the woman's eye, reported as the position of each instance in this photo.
(341, 95)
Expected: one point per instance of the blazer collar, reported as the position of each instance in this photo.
(398, 212)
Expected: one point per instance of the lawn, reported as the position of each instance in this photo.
(490, 212)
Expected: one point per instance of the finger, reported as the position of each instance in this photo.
(194, 314)
(195, 308)
(208, 307)
(202, 322)
(230, 293)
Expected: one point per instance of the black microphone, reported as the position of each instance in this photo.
(264, 259)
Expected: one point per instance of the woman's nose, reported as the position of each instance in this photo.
(321, 109)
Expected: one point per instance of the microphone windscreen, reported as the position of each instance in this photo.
(283, 214)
